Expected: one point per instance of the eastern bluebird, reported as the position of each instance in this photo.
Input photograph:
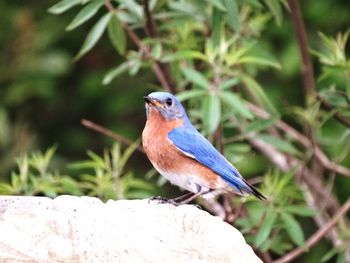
(183, 155)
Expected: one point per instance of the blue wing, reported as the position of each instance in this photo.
(193, 144)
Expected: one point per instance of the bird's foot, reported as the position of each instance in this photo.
(174, 201)
(163, 200)
(159, 199)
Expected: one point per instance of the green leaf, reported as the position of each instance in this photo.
(189, 94)
(217, 4)
(342, 257)
(330, 253)
(63, 6)
(261, 124)
(116, 34)
(348, 89)
(266, 227)
(216, 26)
(277, 244)
(134, 9)
(94, 35)
(258, 91)
(275, 9)
(115, 72)
(85, 14)
(293, 229)
(195, 77)
(97, 159)
(279, 144)
(134, 67)
(236, 103)
(183, 54)
(228, 83)
(300, 210)
(259, 61)
(82, 165)
(232, 12)
(238, 148)
(139, 183)
(211, 113)
(128, 152)
(255, 211)
(157, 50)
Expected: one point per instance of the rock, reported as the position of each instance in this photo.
(84, 229)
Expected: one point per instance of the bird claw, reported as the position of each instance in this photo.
(163, 200)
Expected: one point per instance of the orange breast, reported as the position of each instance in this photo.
(165, 156)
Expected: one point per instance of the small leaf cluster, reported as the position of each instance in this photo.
(90, 8)
(275, 226)
(102, 176)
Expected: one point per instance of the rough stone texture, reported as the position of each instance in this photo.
(83, 229)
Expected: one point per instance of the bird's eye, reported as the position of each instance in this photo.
(169, 101)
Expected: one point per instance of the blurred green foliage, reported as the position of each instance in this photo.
(104, 177)
(73, 59)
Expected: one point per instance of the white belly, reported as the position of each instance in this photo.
(189, 181)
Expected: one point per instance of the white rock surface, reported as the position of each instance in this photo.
(84, 229)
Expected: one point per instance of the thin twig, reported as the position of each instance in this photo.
(287, 163)
(317, 236)
(156, 68)
(149, 27)
(312, 184)
(276, 157)
(336, 115)
(126, 27)
(93, 126)
(307, 68)
(151, 31)
(303, 140)
(266, 257)
(320, 219)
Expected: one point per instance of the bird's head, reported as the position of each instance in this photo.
(166, 104)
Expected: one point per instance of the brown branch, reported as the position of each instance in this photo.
(320, 219)
(276, 157)
(314, 189)
(93, 126)
(126, 27)
(149, 27)
(337, 115)
(151, 31)
(307, 68)
(109, 6)
(317, 236)
(163, 77)
(303, 140)
(266, 257)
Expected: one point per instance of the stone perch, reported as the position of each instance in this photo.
(84, 229)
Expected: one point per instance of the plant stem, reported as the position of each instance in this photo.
(317, 236)
(307, 68)
(93, 126)
(303, 140)
(337, 115)
(163, 77)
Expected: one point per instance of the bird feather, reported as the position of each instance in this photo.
(194, 145)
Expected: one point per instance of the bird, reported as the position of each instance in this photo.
(179, 152)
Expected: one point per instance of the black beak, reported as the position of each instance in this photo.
(147, 99)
